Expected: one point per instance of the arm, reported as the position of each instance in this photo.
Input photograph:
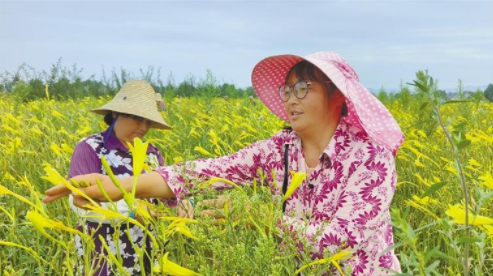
(166, 182)
(241, 167)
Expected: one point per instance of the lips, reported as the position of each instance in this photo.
(295, 114)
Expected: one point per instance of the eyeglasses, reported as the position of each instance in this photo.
(300, 90)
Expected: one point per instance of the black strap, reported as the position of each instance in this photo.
(286, 171)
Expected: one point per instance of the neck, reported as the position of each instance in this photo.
(315, 140)
(123, 141)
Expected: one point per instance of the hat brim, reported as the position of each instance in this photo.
(156, 119)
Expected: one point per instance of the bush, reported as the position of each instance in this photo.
(488, 92)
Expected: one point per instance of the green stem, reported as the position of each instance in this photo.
(463, 184)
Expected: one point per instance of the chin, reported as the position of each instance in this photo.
(297, 127)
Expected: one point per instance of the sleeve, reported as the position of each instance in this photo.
(362, 209)
(241, 168)
(160, 158)
(84, 160)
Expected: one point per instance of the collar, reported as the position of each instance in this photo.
(329, 153)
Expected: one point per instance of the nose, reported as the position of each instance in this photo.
(292, 99)
(145, 125)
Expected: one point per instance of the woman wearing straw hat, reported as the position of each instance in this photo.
(341, 136)
(130, 114)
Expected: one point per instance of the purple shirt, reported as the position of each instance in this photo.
(86, 156)
(87, 159)
(353, 186)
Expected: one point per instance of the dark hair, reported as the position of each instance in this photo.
(305, 70)
(108, 118)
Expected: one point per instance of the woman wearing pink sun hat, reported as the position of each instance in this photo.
(340, 135)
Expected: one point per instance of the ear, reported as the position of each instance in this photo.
(113, 114)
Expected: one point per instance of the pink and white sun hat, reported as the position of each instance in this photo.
(364, 110)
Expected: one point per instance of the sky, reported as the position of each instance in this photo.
(386, 42)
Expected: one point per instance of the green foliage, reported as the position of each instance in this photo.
(488, 92)
(64, 83)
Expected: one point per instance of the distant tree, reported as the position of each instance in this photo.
(383, 96)
(488, 92)
(477, 96)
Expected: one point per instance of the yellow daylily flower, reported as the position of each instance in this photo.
(458, 213)
(334, 259)
(6, 243)
(487, 180)
(296, 180)
(36, 130)
(474, 163)
(8, 176)
(139, 155)
(41, 223)
(179, 227)
(56, 149)
(57, 114)
(202, 151)
(5, 191)
(425, 200)
(172, 268)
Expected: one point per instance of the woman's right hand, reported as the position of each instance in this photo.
(92, 191)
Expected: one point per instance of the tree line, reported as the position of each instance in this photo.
(27, 84)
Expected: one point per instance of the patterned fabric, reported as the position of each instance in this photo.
(87, 159)
(364, 110)
(347, 201)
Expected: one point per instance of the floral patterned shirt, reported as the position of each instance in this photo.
(344, 201)
(87, 159)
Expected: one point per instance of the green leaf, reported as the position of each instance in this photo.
(469, 240)
(463, 143)
(435, 187)
(438, 254)
(455, 101)
(421, 87)
(423, 106)
(431, 268)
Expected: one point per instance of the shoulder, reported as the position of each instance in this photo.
(279, 139)
(153, 149)
(93, 142)
(356, 141)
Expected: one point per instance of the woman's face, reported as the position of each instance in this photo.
(316, 109)
(127, 127)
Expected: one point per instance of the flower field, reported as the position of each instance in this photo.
(428, 210)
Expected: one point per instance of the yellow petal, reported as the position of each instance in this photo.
(487, 180)
(296, 180)
(172, 268)
(458, 213)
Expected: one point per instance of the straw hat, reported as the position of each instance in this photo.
(364, 110)
(136, 97)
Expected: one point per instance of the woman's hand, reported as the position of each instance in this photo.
(214, 207)
(185, 209)
(92, 191)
